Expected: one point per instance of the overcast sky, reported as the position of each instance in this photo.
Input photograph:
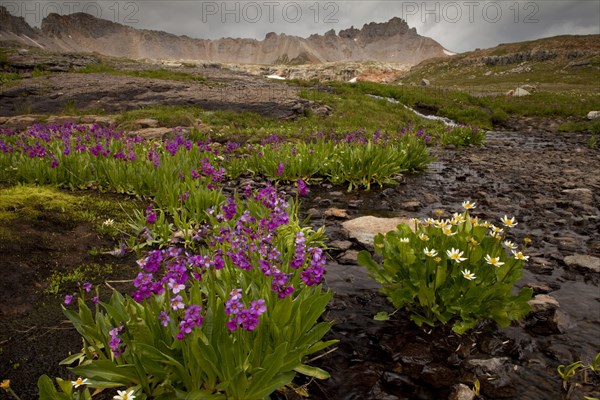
(457, 25)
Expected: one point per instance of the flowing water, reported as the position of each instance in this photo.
(530, 176)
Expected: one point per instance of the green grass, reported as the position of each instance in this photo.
(7, 77)
(59, 281)
(28, 202)
(3, 57)
(164, 74)
(169, 116)
(373, 114)
(39, 71)
(485, 111)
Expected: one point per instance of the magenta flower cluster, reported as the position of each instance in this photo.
(238, 240)
(52, 141)
(246, 317)
(191, 319)
(210, 173)
(116, 343)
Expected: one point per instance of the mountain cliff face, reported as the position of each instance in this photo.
(391, 41)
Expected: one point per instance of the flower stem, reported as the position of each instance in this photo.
(12, 393)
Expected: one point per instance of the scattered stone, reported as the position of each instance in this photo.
(325, 203)
(461, 392)
(593, 115)
(584, 262)
(340, 245)
(364, 229)
(543, 302)
(430, 199)
(334, 212)
(355, 203)
(146, 123)
(583, 195)
(501, 375)
(546, 318)
(539, 288)
(62, 119)
(104, 121)
(313, 212)
(348, 257)
(152, 133)
(411, 205)
(425, 82)
(568, 243)
(177, 237)
(336, 194)
(389, 192)
(379, 392)
(560, 321)
(435, 374)
(322, 111)
(491, 366)
(20, 122)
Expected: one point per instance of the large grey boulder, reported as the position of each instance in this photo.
(364, 229)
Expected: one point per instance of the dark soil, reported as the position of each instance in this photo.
(529, 176)
(35, 335)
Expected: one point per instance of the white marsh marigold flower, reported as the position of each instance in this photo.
(455, 255)
(467, 205)
(468, 274)
(430, 253)
(495, 261)
(520, 256)
(508, 222)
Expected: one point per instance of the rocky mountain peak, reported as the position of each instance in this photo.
(16, 25)
(392, 41)
(80, 23)
(393, 27)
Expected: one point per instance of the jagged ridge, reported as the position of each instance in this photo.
(392, 41)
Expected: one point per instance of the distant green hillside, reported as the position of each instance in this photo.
(556, 64)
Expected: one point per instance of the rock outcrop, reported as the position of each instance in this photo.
(392, 41)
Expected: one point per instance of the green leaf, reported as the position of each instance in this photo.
(320, 346)
(263, 381)
(66, 386)
(48, 391)
(381, 316)
(107, 371)
(72, 358)
(364, 258)
(200, 395)
(312, 371)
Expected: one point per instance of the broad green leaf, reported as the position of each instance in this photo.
(66, 386)
(48, 391)
(107, 371)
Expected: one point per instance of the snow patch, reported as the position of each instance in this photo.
(33, 41)
(353, 80)
(449, 53)
(280, 78)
